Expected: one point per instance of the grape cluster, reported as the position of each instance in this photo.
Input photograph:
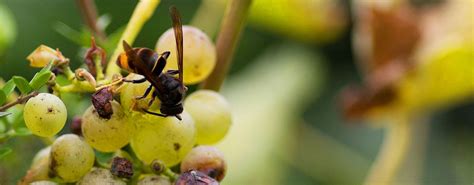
(132, 136)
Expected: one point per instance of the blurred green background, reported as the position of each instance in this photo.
(288, 128)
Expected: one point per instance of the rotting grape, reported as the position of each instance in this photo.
(154, 180)
(45, 115)
(199, 53)
(100, 176)
(166, 139)
(211, 114)
(195, 177)
(71, 157)
(107, 135)
(206, 159)
(130, 92)
(122, 167)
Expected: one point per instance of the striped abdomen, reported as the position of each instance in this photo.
(147, 56)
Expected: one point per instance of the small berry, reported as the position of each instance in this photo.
(76, 125)
(71, 158)
(199, 53)
(45, 115)
(206, 159)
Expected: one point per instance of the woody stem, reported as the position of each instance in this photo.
(231, 28)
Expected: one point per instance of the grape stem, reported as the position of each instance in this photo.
(231, 28)
(20, 100)
(393, 152)
(173, 176)
(141, 14)
(98, 68)
(89, 13)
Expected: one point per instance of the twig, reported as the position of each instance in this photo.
(20, 100)
(231, 27)
(393, 151)
(89, 13)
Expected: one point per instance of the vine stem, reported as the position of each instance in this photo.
(89, 13)
(393, 152)
(20, 100)
(143, 11)
(231, 28)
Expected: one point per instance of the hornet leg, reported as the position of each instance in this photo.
(135, 81)
(154, 113)
(173, 72)
(147, 91)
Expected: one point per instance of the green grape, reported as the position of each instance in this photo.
(71, 157)
(43, 183)
(130, 92)
(100, 176)
(211, 114)
(39, 168)
(206, 159)
(45, 115)
(154, 180)
(166, 139)
(199, 53)
(107, 135)
(42, 154)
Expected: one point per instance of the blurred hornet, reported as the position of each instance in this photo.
(144, 61)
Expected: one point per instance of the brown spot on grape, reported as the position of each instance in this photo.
(52, 167)
(50, 109)
(121, 167)
(177, 146)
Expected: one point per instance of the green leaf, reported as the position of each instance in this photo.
(3, 127)
(41, 77)
(3, 114)
(8, 87)
(70, 33)
(22, 84)
(48, 67)
(4, 152)
(40, 80)
(3, 97)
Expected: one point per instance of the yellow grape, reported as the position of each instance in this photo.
(107, 135)
(100, 176)
(199, 53)
(211, 114)
(43, 183)
(206, 159)
(154, 180)
(45, 115)
(166, 139)
(130, 92)
(71, 157)
(39, 168)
